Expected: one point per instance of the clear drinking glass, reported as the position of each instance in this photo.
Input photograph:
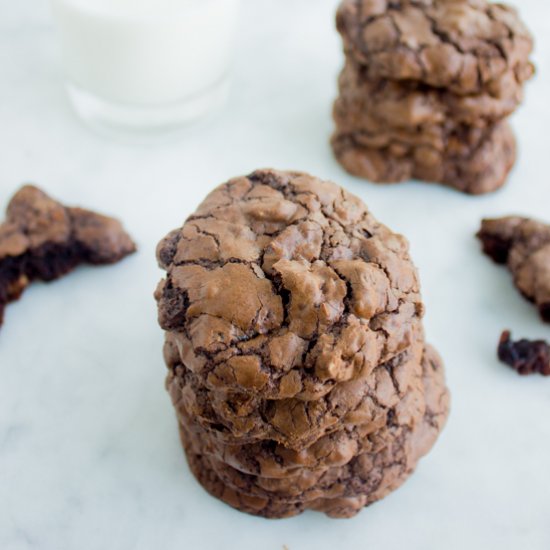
(146, 65)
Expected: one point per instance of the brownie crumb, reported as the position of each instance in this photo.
(524, 246)
(41, 239)
(525, 356)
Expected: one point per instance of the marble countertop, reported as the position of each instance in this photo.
(89, 450)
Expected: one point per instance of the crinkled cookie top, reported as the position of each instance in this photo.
(467, 46)
(281, 284)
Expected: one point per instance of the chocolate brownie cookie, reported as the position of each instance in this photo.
(378, 105)
(465, 46)
(293, 422)
(524, 246)
(42, 240)
(303, 481)
(295, 348)
(472, 160)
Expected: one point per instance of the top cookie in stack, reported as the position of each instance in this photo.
(427, 88)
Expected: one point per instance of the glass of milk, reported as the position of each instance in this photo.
(146, 65)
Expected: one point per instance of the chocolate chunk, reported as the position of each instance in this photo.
(524, 246)
(295, 350)
(426, 90)
(42, 240)
(525, 356)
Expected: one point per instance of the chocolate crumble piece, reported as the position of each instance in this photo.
(42, 240)
(525, 356)
(297, 362)
(524, 246)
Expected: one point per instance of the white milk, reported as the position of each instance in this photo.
(147, 53)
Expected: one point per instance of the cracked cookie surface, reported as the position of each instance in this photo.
(385, 462)
(237, 419)
(295, 348)
(465, 46)
(469, 159)
(380, 104)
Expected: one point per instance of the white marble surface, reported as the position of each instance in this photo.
(89, 453)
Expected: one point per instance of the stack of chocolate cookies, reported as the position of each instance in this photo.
(427, 88)
(295, 348)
